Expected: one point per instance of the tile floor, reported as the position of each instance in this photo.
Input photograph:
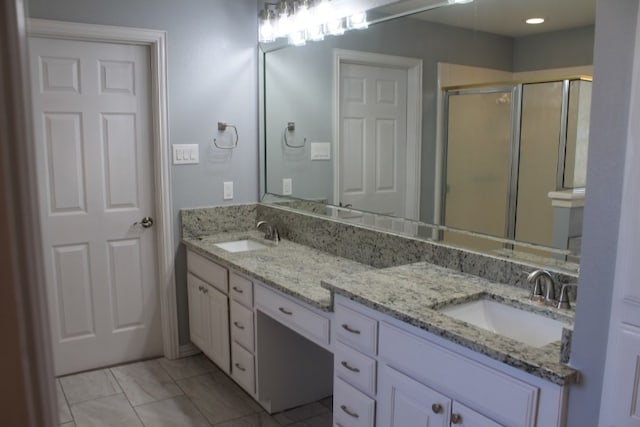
(171, 393)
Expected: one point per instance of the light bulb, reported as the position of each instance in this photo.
(335, 27)
(315, 32)
(357, 21)
(302, 16)
(284, 26)
(322, 11)
(266, 32)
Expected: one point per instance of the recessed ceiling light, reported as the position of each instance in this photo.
(534, 21)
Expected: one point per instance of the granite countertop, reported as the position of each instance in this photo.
(414, 293)
(294, 269)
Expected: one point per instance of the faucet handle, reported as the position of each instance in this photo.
(563, 301)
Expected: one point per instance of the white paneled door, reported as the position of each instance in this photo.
(95, 177)
(373, 138)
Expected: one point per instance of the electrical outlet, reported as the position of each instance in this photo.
(228, 190)
(286, 187)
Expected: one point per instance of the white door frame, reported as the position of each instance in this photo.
(156, 41)
(414, 119)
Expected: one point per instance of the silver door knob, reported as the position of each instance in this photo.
(146, 222)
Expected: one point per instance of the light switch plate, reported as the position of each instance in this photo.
(228, 190)
(186, 154)
(320, 151)
(287, 186)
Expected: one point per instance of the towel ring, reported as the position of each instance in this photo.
(291, 127)
(222, 127)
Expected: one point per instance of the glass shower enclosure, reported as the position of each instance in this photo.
(507, 147)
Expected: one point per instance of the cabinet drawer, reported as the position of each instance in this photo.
(242, 325)
(355, 368)
(356, 329)
(499, 396)
(208, 271)
(293, 315)
(350, 407)
(242, 367)
(241, 289)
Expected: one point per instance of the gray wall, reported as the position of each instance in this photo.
(567, 48)
(299, 87)
(212, 59)
(615, 38)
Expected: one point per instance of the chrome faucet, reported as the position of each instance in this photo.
(543, 286)
(271, 232)
(563, 301)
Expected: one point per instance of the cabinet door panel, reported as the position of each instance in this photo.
(198, 313)
(404, 402)
(470, 418)
(218, 327)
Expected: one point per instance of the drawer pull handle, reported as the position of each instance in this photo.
(200, 288)
(349, 412)
(456, 419)
(350, 329)
(349, 367)
(240, 368)
(238, 290)
(205, 290)
(436, 408)
(285, 311)
(238, 325)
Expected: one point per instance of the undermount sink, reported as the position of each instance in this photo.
(241, 246)
(521, 325)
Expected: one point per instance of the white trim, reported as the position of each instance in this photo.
(28, 390)
(414, 119)
(187, 350)
(156, 41)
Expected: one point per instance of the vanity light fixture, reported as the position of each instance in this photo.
(459, 1)
(303, 20)
(534, 21)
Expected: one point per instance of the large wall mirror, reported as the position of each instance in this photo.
(459, 123)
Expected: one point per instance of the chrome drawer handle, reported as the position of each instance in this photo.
(240, 368)
(349, 412)
(238, 325)
(287, 312)
(238, 290)
(351, 368)
(349, 329)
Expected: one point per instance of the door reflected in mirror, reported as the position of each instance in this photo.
(458, 118)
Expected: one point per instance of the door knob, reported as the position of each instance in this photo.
(146, 222)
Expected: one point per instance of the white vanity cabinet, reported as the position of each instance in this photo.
(242, 332)
(424, 380)
(404, 402)
(355, 368)
(209, 308)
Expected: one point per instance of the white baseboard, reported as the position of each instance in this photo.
(188, 350)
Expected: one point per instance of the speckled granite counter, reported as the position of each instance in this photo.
(413, 293)
(294, 269)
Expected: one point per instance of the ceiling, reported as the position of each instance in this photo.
(504, 17)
